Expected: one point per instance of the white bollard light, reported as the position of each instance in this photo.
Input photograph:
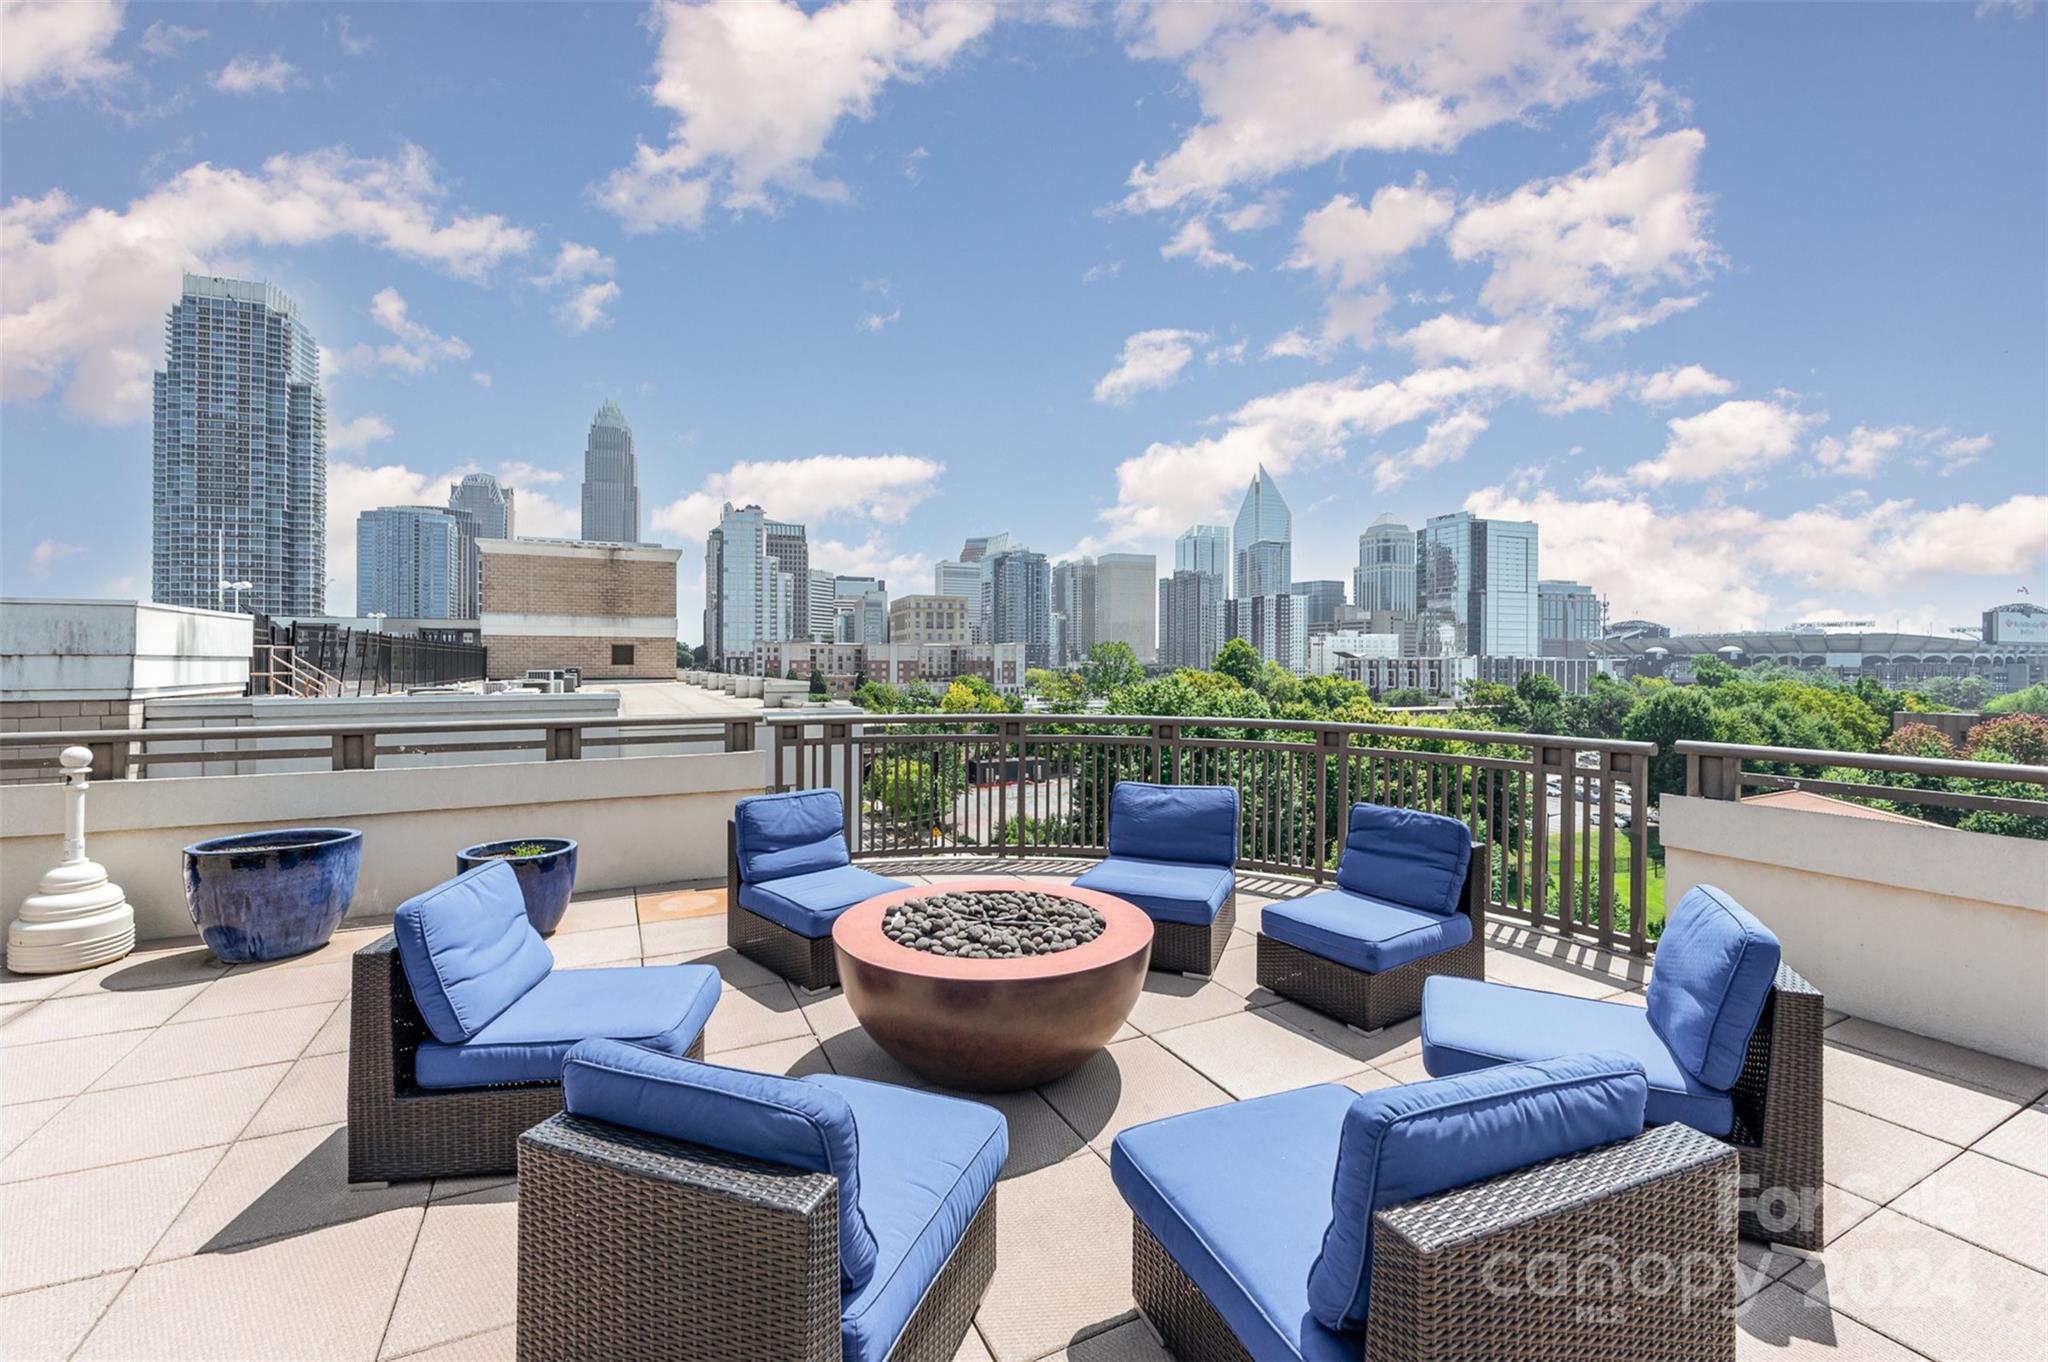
(76, 919)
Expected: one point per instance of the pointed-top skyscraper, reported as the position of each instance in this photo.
(611, 479)
(1262, 558)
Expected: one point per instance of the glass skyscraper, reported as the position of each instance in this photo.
(1263, 542)
(1476, 586)
(1204, 549)
(484, 507)
(239, 454)
(409, 562)
(611, 479)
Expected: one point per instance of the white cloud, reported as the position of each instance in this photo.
(575, 262)
(1195, 242)
(1286, 85)
(1356, 245)
(47, 552)
(1682, 384)
(874, 322)
(1295, 344)
(881, 488)
(913, 164)
(57, 46)
(414, 349)
(1629, 221)
(1444, 442)
(83, 291)
(1254, 216)
(1149, 359)
(585, 307)
(1354, 317)
(1620, 321)
(248, 74)
(163, 39)
(518, 473)
(481, 379)
(349, 437)
(1108, 269)
(1863, 452)
(1954, 455)
(1737, 437)
(352, 43)
(757, 89)
(1225, 354)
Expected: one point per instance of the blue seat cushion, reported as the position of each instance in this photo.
(468, 950)
(1469, 1025)
(788, 1121)
(778, 835)
(1239, 1196)
(1362, 932)
(810, 903)
(1192, 824)
(1164, 890)
(1411, 1141)
(1405, 857)
(1715, 967)
(660, 1007)
(927, 1163)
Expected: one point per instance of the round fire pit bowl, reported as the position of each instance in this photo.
(992, 1025)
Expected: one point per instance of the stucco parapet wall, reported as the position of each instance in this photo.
(2012, 871)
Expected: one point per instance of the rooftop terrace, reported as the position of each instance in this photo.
(172, 1156)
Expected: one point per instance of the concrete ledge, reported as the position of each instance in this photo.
(640, 820)
(1919, 927)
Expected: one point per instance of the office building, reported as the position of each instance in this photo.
(1127, 603)
(607, 609)
(898, 663)
(1074, 584)
(1570, 619)
(1263, 542)
(790, 548)
(611, 479)
(860, 609)
(1327, 652)
(1016, 605)
(820, 606)
(930, 619)
(1324, 598)
(1275, 625)
(957, 577)
(410, 562)
(1574, 675)
(1476, 586)
(1434, 676)
(1190, 618)
(1203, 548)
(749, 597)
(487, 506)
(239, 454)
(1385, 576)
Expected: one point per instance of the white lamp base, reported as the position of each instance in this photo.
(75, 920)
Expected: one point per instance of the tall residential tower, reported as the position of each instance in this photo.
(240, 454)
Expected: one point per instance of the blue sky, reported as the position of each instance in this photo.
(1745, 304)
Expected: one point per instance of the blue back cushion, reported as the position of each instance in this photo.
(468, 950)
(1715, 966)
(1407, 1142)
(1194, 824)
(787, 1121)
(779, 835)
(1405, 856)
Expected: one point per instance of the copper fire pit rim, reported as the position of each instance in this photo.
(858, 932)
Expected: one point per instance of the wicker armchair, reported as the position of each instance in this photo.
(1369, 1000)
(801, 826)
(398, 1130)
(1466, 1273)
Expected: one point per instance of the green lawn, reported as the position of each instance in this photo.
(1653, 890)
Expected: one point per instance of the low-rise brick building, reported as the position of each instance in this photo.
(607, 609)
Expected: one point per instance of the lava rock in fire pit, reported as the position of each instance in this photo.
(987, 924)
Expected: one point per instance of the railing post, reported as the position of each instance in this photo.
(355, 751)
(564, 744)
(1537, 895)
(788, 739)
(739, 735)
(109, 760)
(1720, 777)
(1329, 744)
(1012, 731)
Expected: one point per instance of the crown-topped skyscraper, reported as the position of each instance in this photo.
(611, 479)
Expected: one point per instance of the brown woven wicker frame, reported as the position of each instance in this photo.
(633, 1246)
(398, 1130)
(1778, 1111)
(805, 961)
(1370, 1001)
(1187, 948)
(1469, 1273)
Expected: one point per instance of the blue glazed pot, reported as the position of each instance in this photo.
(545, 878)
(271, 894)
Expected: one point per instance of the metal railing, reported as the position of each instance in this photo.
(357, 661)
(1561, 818)
(125, 753)
(1937, 789)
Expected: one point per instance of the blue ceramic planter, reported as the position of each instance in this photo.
(271, 894)
(545, 878)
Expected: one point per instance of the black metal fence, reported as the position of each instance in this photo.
(357, 661)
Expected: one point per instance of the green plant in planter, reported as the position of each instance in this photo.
(524, 849)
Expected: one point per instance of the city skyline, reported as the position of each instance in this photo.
(1758, 415)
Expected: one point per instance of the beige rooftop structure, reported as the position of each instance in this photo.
(607, 609)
